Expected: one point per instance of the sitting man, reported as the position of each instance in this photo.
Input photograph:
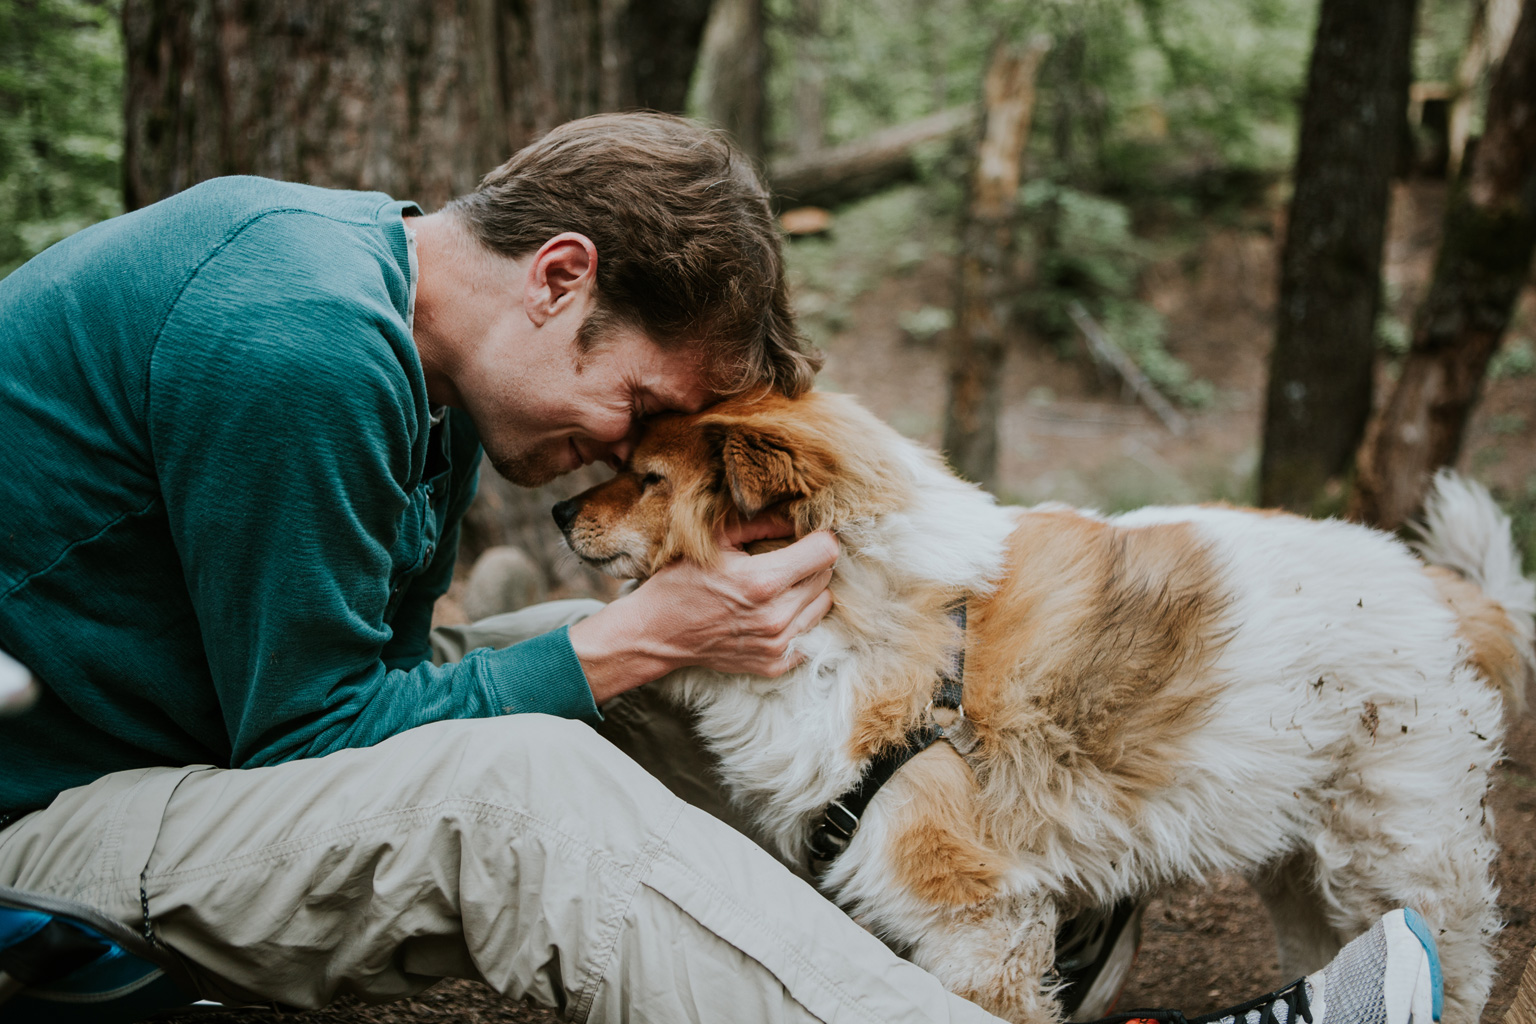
(240, 429)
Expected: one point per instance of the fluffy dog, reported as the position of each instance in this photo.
(1147, 697)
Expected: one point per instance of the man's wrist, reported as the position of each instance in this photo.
(616, 651)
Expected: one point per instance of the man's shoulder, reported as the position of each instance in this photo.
(303, 260)
(305, 296)
(240, 199)
(138, 265)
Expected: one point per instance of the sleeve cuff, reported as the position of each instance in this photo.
(543, 675)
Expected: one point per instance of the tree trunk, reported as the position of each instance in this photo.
(1493, 25)
(810, 93)
(1485, 259)
(663, 42)
(1354, 116)
(733, 71)
(417, 98)
(986, 286)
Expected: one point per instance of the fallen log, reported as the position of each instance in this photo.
(857, 169)
(1107, 354)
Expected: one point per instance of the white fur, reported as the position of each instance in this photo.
(1286, 782)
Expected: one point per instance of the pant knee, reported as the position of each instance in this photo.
(550, 769)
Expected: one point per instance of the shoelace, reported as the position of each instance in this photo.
(1294, 996)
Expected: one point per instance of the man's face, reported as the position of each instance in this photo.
(541, 418)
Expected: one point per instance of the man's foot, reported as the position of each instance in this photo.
(1389, 975)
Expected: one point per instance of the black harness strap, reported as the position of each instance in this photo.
(840, 820)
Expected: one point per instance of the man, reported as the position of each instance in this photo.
(239, 431)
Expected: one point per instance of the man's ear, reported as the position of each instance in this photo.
(558, 275)
(763, 468)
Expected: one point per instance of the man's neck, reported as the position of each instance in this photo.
(460, 291)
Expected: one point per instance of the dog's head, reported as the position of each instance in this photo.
(811, 460)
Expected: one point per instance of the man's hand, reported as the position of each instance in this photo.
(740, 616)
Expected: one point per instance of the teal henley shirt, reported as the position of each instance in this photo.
(225, 509)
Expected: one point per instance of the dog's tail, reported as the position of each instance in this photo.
(1464, 530)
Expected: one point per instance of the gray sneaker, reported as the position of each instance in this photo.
(1389, 975)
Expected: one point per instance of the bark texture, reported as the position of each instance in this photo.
(809, 101)
(1352, 121)
(1484, 261)
(986, 284)
(733, 72)
(417, 98)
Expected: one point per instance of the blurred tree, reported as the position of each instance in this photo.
(1484, 262)
(1492, 27)
(60, 66)
(984, 292)
(732, 75)
(810, 94)
(413, 97)
(1352, 122)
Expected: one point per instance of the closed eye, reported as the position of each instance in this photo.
(650, 480)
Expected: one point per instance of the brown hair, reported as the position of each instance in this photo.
(687, 248)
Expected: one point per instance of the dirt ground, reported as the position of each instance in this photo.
(1067, 436)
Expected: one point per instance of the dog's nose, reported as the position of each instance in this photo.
(564, 513)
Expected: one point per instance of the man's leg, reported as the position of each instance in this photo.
(658, 735)
(523, 851)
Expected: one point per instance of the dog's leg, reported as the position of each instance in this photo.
(944, 898)
(1407, 827)
(996, 954)
(1305, 939)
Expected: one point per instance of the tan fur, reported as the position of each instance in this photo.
(1487, 630)
(937, 850)
(1088, 664)
(1085, 667)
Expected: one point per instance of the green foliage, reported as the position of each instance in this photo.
(1515, 358)
(1136, 97)
(1084, 250)
(887, 234)
(1441, 39)
(61, 71)
(1521, 508)
(1132, 91)
(1218, 85)
(926, 323)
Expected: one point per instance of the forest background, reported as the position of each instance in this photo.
(1113, 330)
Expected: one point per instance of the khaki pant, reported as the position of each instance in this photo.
(523, 851)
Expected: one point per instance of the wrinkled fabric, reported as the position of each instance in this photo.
(523, 851)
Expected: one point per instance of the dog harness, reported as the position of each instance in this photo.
(838, 823)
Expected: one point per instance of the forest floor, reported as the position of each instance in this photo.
(1067, 436)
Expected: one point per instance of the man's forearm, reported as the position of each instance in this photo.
(616, 651)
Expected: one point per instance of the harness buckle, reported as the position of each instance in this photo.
(843, 822)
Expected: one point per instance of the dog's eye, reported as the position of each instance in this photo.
(649, 480)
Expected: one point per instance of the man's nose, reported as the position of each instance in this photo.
(565, 513)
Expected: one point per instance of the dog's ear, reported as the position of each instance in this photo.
(764, 468)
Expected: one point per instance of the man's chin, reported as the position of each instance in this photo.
(530, 469)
